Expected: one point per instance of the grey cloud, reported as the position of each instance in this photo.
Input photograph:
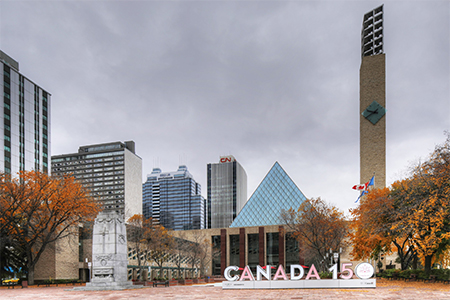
(265, 81)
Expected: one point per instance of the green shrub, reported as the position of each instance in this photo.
(389, 273)
(325, 275)
(160, 279)
(441, 274)
(406, 274)
(421, 274)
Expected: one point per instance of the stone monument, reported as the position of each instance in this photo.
(109, 254)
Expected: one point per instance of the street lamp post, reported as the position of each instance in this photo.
(89, 267)
(336, 258)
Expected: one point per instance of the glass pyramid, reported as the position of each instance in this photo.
(276, 192)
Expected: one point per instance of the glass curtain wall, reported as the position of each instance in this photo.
(234, 250)
(272, 248)
(216, 255)
(292, 251)
(253, 250)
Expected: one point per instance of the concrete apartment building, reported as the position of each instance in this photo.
(112, 172)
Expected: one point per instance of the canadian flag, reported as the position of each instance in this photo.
(364, 186)
(360, 187)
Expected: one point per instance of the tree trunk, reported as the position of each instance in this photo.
(1, 253)
(141, 273)
(30, 275)
(415, 263)
(161, 271)
(30, 267)
(428, 263)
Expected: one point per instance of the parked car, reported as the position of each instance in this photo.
(10, 281)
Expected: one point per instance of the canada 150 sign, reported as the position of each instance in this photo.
(246, 280)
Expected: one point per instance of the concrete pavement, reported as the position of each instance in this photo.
(385, 290)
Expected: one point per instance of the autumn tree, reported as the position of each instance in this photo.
(137, 232)
(180, 251)
(411, 217)
(199, 251)
(159, 243)
(10, 259)
(204, 259)
(37, 210)
(319, 226)
(423, 203)
(371, 230)
(444, 258)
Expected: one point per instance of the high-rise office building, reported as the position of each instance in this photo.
(174, 200)
(25, 121)
(112, 172)
(227, 191)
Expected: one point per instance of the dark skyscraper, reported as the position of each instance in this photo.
(227, 191)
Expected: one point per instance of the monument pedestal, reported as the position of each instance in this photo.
(109, 254)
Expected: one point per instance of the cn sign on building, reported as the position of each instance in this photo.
(226, 159)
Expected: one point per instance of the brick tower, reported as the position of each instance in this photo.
(372, 100)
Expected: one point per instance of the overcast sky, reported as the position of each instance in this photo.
(265, 81)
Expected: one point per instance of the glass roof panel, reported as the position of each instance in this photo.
(275, 193)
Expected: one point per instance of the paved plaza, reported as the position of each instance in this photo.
(391, 290)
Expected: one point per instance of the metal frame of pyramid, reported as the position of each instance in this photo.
(275, 193)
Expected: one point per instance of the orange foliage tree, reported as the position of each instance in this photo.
(160, 243)
(37, 209)
(371, 229)
(444, 258)
(414, 214)
(370, 225)
(318, 226)
(423, 202)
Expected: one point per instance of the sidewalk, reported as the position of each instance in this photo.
(385, 290)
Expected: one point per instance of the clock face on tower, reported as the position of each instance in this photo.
(374, 112)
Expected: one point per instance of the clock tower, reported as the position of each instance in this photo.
(372, 100)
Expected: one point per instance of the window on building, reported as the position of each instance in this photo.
(234, 250)
(272, 248)
(216, 255)
(292, 251)
(253, 250)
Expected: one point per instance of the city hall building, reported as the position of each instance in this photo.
(256, 237)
